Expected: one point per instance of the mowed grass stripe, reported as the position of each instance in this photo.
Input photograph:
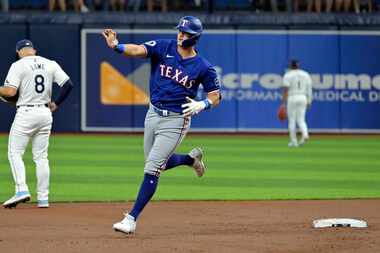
(110, 168)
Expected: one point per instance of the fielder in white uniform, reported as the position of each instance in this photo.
(32, 78)
(297, 96)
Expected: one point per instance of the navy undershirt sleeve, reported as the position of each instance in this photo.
(64, 92)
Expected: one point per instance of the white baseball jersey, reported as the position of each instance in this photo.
(298, 82)
(34, 76)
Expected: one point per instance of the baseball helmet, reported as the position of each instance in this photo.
(192, 26)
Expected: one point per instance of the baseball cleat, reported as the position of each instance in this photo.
(20, 197)
(292, 145)
(303, 141)
(198, 165)
(43, 204)
(126, 226)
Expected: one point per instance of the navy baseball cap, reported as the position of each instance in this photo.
(23, 43)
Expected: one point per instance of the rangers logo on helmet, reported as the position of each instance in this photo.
(192, 26)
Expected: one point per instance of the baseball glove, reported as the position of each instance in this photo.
(281, 113)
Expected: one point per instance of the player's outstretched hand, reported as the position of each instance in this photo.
(110, 37)
(52, 106)
(193, 107)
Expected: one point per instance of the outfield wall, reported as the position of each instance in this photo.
(60, 42)
(344, 65)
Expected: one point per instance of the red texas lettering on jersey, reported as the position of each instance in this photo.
(176, 75)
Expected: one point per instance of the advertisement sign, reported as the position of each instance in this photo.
(344, 67)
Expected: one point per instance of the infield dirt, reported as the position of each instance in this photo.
(196, 226)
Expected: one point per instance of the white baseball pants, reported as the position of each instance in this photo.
(31, 123)
(296, 109)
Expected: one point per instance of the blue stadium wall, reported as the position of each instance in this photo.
(250, 60)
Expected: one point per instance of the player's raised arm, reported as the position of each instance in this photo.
(132, 50)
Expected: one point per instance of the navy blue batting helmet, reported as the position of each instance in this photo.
(192, 26)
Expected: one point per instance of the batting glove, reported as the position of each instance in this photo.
(195, 107)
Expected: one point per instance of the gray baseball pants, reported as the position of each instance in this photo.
(162, 135)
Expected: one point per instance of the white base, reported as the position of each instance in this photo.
(339, 222)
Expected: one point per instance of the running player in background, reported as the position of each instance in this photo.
(32, 79)
(177, 70)
(297, 95)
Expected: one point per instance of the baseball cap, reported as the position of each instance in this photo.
(23, 43)
(294, 63)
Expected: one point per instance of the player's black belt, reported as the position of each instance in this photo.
(40, 105)
(164, 113)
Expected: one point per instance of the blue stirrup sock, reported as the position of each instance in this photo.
(147, 189)
(178, 159)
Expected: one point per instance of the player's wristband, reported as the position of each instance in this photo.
(119, 48)
(208, 103)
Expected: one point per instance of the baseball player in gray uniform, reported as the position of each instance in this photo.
(177, 70)
(31, 78)
(297, 95)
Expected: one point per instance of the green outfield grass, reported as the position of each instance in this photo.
(110, 168)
